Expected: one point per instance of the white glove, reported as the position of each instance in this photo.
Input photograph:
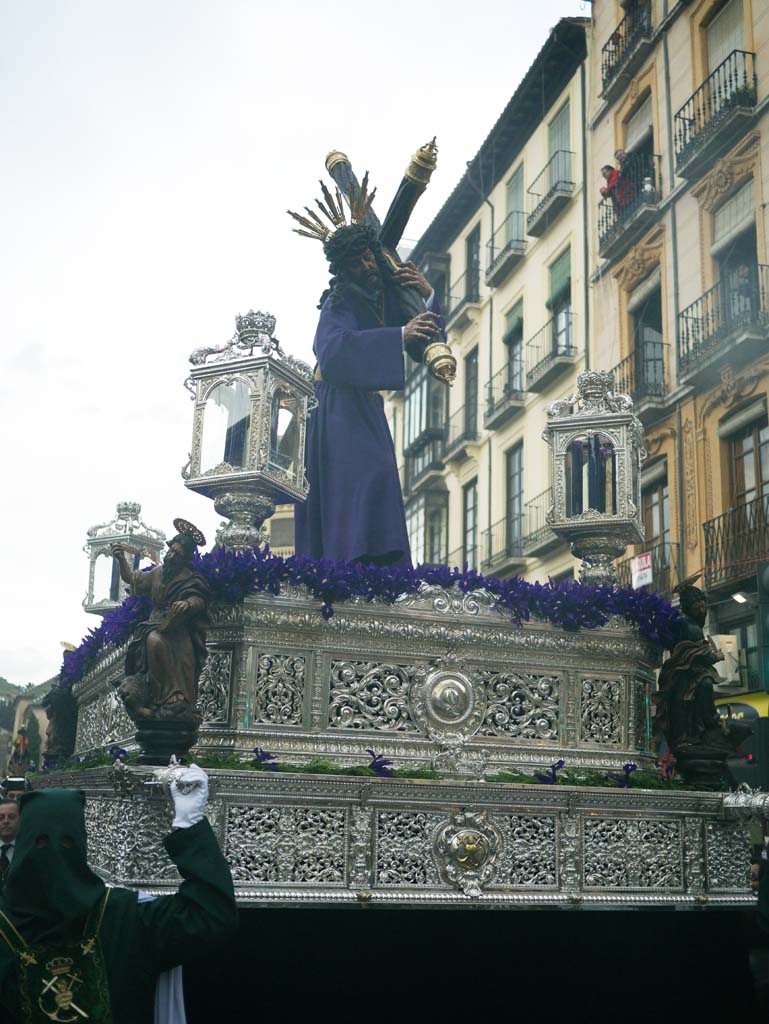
(190, 796)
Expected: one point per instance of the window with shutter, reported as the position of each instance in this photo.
(640, 126)
(725, 34)
(514, 223)
(559, 138)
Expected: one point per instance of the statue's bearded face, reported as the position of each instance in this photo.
(364, 271)
(174, 561)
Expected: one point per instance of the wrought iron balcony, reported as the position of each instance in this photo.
(506, 248)
(550, 192)
(464, 295)
(626, 49)
(459, 558)
(716, 114)
(550, 352)
(735, 541)
(504, 398)
(503, 545)
(666, 568)
(537, 535)
(643, 376)
(631, 207)
(461, 431)
(424, 464)
(733, 312)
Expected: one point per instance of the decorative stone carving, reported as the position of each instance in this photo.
(366, 695)
(279, 691)
(521, 705)
(625, 853)
(467, 848)
(727, 172)
(296, 845)
(641, 260)
(214, 688)
(690, 486)
(601, 711)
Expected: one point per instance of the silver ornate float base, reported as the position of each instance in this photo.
(316, 839)
(441, 679)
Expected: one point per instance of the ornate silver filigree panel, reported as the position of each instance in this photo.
(404, 848)
(528, 858)
(286, 845)
(278, 695)
(102, 721)
(466, 848)
(214, 687)
(601, 711)
(632, 853)
(125, 839)
(521, 705)
(367, 695)
(728, 856)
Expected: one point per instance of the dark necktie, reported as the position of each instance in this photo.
(4, 861)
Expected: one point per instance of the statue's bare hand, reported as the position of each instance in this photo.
(118, 551)
(423, 327)
(179, 606)
(409, 276)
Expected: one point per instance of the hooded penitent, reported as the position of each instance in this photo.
(51, 909)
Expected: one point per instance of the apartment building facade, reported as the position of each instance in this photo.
(679, 274)
(506, 255)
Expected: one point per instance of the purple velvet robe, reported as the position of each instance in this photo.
(354, 510)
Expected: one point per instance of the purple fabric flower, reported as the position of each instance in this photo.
(262, 757)
(233, 575)
(550, 776)
(623, 778)
(380, 765)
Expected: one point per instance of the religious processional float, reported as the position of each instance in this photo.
(380, 735)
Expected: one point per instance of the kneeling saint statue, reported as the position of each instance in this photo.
(166, 653)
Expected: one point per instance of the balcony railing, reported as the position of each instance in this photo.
(505, 395)
(503, 543)
(624, 40)
(537, 535)
(666, 568)
(460, 557)
(506, 247)
(736, 540)
(636, 192)
(461, 430)
(550, 191)
(421, 462)
(740, 300)
(642, 374)
(465, 291)
(732, 86)
(549, 350)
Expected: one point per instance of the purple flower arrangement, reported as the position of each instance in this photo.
(233, 575)
(550, 775)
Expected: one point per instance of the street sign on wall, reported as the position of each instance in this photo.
(641, 570)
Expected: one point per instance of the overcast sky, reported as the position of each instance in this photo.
(150, 150)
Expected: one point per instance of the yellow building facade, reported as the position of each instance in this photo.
(679, 275)
(507, 257)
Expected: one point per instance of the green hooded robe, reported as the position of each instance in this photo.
(100, 946)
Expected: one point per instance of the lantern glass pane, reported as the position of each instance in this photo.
(284, 433)
(226, 427)
(103, 584)
(591, 475)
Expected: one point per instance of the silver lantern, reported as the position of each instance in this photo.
(597, 448)
(140, 541)
(248, 436)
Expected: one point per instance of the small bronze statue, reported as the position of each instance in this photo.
(699, 739)
(61, 709)
(166, 653)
